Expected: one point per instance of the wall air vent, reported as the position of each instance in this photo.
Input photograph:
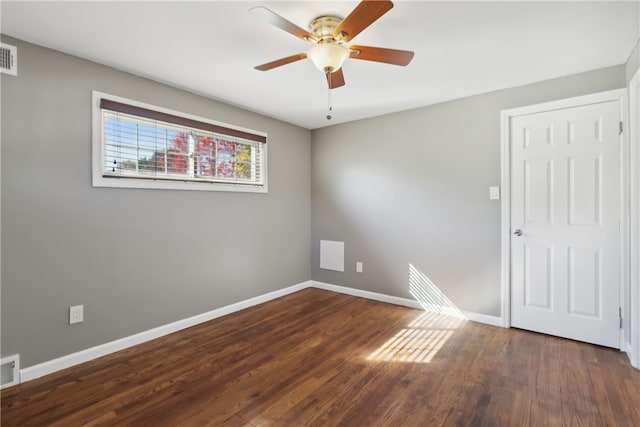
(8, 59)
(10, 371)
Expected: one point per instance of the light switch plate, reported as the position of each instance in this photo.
(494, 193)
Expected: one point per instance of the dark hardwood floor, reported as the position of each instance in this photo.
(321, 358)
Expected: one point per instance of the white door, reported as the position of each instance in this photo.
(565, 219)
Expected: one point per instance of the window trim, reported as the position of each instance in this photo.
(165, 114)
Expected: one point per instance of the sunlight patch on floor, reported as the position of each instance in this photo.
(425, 335)
(420, 341)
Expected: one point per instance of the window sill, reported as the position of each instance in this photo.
(161, 184)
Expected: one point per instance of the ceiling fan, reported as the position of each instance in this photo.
(329, 35)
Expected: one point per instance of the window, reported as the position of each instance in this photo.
(142, 146)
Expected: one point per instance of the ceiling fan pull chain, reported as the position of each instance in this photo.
(330, 108)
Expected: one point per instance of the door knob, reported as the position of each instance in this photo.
(517, 232)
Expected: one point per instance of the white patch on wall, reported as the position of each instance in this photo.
(10, 371)
(8, 59)
(332, 255)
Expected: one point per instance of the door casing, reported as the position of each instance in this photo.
(505, 233)
(633, 302)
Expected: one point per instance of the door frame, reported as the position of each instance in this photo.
(633, 303)
(505, 181)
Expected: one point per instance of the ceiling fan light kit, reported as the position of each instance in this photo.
(328, 57)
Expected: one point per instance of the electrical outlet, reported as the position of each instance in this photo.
(76, 314)
(358, 267)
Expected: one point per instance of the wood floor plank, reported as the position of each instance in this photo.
(321, 358)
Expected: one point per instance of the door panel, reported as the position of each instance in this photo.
(584, 131)
(538, 280)
(585, 191)
(584, 282)
(565, 173)
(538, 187)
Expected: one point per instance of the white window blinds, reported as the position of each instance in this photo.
(147, 144)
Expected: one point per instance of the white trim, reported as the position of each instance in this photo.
(82, 356)
(406, 302)
(97, 155)
(624, 220)
(484, 318)
(624, 217)
(560, 104)
(505, 225)
(633, 306)
(92, 353)
(505, 118)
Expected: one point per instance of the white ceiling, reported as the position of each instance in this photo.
(210, 48)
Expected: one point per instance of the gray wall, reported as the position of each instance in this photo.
(136, 259)
(412, 188)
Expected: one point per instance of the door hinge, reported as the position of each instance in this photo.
(620, 128)
(620, 316)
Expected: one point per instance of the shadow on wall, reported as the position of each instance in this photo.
(429, 296)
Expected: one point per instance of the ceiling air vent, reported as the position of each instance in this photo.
(8, 59)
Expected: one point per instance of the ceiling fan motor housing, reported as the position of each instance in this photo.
(323, 28)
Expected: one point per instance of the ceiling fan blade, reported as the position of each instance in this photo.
(365, 13)
(335, 79)
(280, 22)
(281, 61)
(379, 54)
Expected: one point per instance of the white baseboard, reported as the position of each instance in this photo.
(51, 366)
(634, 359)
(367, 294)
(627, 347)
(406, 302)
(92, 353)
(484, 318)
